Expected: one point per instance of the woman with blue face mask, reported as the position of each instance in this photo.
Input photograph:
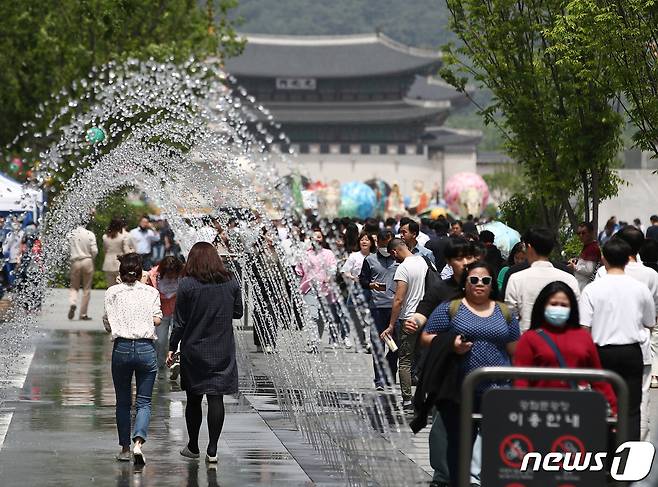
(555, 339)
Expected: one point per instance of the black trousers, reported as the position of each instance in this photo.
(627, 361)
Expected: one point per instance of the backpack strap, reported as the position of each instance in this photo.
(558, 355)
(453, 309)
(506, 311)
(430, 265)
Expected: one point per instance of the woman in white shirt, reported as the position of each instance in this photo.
(351, 270)
(352, 266)
(132, 311)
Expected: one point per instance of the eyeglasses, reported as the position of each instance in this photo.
(475, 280)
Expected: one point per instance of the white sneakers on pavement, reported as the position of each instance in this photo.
(138, 455)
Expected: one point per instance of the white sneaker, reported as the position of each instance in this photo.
(347, 342)
(210, 459)
(268, 349)
(138, 456)
(174, 372)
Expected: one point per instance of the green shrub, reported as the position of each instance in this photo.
(571, 246)
(99, 280)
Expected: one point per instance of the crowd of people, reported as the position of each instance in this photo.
(151, 240)
(19, 238)
(442, 299)
(427, 281)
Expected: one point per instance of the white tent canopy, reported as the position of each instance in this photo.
(14, 197)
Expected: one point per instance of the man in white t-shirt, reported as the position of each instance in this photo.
(524, 286)
(410, 287)
(635, 238)
(143, 237)
(617, 309)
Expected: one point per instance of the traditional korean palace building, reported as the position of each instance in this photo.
(358, 107)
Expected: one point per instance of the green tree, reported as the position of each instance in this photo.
(47, 45)
(627, 32)
(557, 117)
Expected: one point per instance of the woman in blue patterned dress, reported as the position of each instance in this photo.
(486, 337)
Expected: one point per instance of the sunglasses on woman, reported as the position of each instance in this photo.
(474, 280)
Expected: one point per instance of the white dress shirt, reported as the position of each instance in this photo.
(143, 240)
(524, 286)
(422, 239)
(130, 309)
(649, 277)
(617, 308)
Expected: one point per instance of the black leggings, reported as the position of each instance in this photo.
(194, 416)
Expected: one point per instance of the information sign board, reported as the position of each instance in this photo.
(520, 421)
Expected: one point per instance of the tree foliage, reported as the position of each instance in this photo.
(555, 112)
(46, 45)
(521, 211)
(626, 32)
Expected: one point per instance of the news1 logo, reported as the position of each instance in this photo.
(632, 461)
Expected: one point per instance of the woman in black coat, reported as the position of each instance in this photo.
(208, 299)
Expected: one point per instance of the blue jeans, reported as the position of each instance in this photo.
(10, 271)
(138, 357)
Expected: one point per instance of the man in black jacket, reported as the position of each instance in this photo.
(437, 243)
(493, 257)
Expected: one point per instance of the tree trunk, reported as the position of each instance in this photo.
(571, 214)
(585, 183)
(595, 199)
(553, 215)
